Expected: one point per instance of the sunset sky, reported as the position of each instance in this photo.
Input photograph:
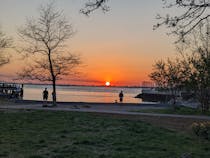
(119, 46)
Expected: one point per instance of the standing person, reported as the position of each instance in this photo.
(53, 96)
(45, 96)
(21, 93)
(121, 96)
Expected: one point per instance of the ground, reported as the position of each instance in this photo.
(127, 111)
(96, 130)
(40, 134)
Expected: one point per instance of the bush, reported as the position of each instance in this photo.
(202, 129)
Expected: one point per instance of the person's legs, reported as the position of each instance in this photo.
(44, 102)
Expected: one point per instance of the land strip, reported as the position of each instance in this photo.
(170, 121)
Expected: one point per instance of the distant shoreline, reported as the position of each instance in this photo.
(86, 85)
(42, 84)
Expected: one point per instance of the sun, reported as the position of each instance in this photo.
(107, 83)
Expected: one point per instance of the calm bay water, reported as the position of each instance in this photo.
(83, 94)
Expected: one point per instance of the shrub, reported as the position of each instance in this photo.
(202, 129)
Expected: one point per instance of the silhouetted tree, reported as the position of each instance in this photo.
(199, 64)
(191, 71)
(168, 75)
(45, 39)
(189, 15)
(92, 5)
(5, 43)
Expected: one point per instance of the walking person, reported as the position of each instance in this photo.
(45, 97)
(121, 95)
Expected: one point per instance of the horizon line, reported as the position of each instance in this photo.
(82, 85)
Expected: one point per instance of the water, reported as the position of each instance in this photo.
(83, 94)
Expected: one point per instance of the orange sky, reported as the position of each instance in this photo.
(119, 46)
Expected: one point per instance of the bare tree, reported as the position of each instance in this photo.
(191, 71)
(5, 43)
(45, 39)
(92, 5)
(168, 75)
(193, 12)
(198, 61)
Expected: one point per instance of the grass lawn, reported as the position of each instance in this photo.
(3, 101)
(179, 110)
(42, 134)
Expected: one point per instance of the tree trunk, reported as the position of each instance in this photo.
(53, 78)
(54, 92)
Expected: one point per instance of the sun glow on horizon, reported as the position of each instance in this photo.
(107, 83)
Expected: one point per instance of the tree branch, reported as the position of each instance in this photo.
(93, 5)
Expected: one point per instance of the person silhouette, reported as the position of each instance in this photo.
(121, 96)
(45, 96)
(21, 93)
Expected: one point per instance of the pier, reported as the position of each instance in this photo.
(11, 90)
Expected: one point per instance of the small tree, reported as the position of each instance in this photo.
(201, 77)
(191, 71)
(199, 64)
(168, 76)
(45, 39)
(5, 43)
